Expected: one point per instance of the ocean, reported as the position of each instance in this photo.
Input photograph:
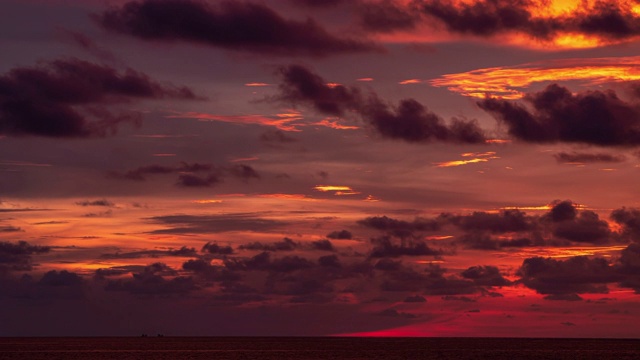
(283, 348)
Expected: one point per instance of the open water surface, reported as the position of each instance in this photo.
(285, 348)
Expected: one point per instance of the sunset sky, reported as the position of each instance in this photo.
(320, 167)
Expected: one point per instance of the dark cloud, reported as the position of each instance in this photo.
(485, 17)
(558, 115)
(386, 16)
(204, 269)
(485, 276)
(244, 172)
(276, 136)
(203, 224)
(587, 227)
(62, 278)
(340, 235)
(415, 299)
(330, 261)
(234, 25)
(578, 274)
(386, 264)
(285, 245)
(17, 256)
(8, 229)
(324, 245)
(68, 98)
(214, 248)
(503, 222)
(385, 247)
(564, 157)
(152, 281)
(629, 218)
(191, 180)
(562, 211)
(181, 252)
(102, 202)
(318, 3)
(400, 228)
(607, 20)
(189, 174)
(563, 297)
(395, 313)
(409, 121)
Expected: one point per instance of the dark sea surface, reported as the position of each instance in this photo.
(284, 348)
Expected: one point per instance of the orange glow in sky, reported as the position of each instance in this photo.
(510, 82)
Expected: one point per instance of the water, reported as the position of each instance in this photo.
(283, 348)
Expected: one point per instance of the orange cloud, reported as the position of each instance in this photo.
(325, 188)
(207, 201)
(478, 157)
(509, 82)
(536, 24)
(284, 121)
(410, 81)
(299, 197)
(334, 125)
(256, 84)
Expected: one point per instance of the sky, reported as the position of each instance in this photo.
(320, 167)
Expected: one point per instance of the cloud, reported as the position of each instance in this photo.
(557, 115)
(578, 274)
(214, 248)
(234, 25)
(62, 278)
(102, 202)
(385, 247)
(629, 218)
(324, 245)
(182, 252)
(340, 235)
(502, 222)
(400, 228)
(189, 174)
(386, 16)
(151, 281)
(485, 276)
(68, 98)
(588, 24)
(582, 158)
(415, 299)
(8, 229)
(285, 245)
(509, 82)
(586, 227)
(204, 224)
(276, 136)
(17, 256)
(409, 121)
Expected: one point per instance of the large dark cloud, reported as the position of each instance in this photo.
(181, 252)
(485, 18)
(340, 235)
(555, 114)
(578, 274)
(68, 98)
(17, 256)
(152, 281)
(235, 25)
(409, 120)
